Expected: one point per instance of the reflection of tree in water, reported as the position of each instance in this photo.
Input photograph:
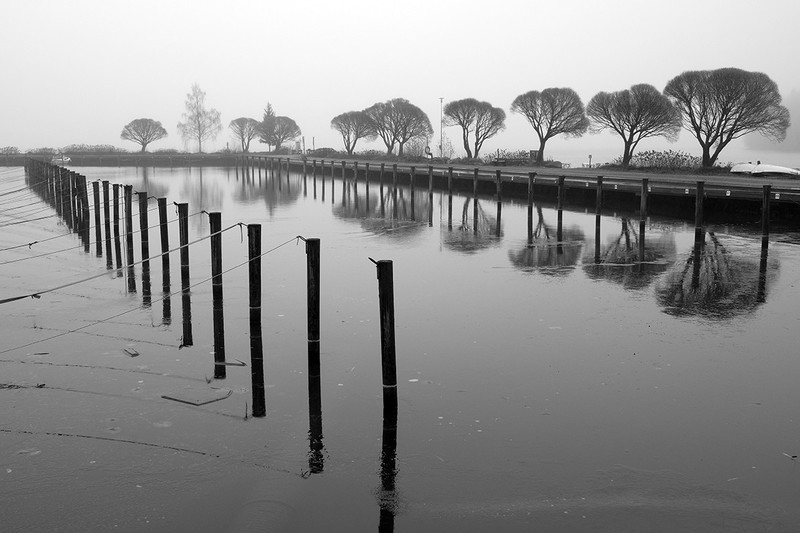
(620, 259)
(477, 229)
(200, 195)
(395, 215)
(716, 284)
(274, 190)
(146, 184)
(545, 252)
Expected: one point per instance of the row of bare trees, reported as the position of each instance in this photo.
(201, 123)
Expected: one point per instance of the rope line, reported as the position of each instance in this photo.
(142, 306)
(38, 294)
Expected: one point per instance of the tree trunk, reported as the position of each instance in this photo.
(144, 147)
(465, 139)
(400, 149)
(708, 161)
(540, 155)
(626, 155)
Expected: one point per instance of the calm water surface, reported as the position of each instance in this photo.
(545, 384)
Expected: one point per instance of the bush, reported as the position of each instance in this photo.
(167, 151)
(9, 150)
(324, 152)
(92, 149)
(42, 151)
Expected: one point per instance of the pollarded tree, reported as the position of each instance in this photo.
(398, 121)
(551, 112)
(474, 116)
(635, 114)
(721, 105)
(143, 131)
(244, 131)
(286, 129)
(353, 125)
(199, 123)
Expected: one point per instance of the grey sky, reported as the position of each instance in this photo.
(78, 71)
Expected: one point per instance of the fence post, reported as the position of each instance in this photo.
(98, 235)
(215, 223)
(256, 344)
(183, 230)
(388, 354)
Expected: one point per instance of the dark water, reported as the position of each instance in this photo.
(552, 384)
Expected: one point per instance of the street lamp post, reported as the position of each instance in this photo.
(441, 126)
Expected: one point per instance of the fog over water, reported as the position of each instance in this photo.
(77, 72)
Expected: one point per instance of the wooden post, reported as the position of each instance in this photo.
(698, 208)
(642, 219)
(107, 212)
(215, 223)
(531, 180)
(183, 231)
(560, 200)
(85, 224)
(314, 365)
(499, 185)
(143, 228)
(598, 206)
(117, 244)
(314, 178)
(412, 176)
(256, 343)
(475, 183)
(128, 194)
(98, 235)
(333, 169)
(388, 354)
(165, 282)
(366, 184)
(430, 196)
(767, 190)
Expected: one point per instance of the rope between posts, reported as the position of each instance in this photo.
(38, 294)
(142, 306)
(29, 244)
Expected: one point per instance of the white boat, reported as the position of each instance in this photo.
(761, 169)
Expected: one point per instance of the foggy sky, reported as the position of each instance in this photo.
(76, 72)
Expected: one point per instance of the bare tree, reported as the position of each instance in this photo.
(266, 133)
(552, 112)
(397, 121)
(244, 130)
(286, 129)
(635, 114)
(721, 105)
(475, 117)
(199, 123)
(143, 131)
(353, 125)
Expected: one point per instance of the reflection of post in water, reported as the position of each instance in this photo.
(413, 175)
(107, 213)
(366, 184)
(449, 198)
(333, 180)
(344, 182)
(186, 300)
(394, 190)
(761, 294)
(256, 347)
(430, 196)
(598, 210)
(642, 219)
(315, 456)
(531, 179)
(475, 200)
(314, 178)
(162, 220)
(215, 223)
(765, 215)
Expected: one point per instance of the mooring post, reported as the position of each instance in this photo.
(412, 176)
(499, 185)
(215, 223)
(767, 191)
(475, 183)
(107, 213)
(183, 230)
(117, 244)
(388, 354)
(165, 281)
(98, 235)
(366, 183)
(430, 196)
(85, 223)
(531, 180)
(143, 229)
(643, 218)
(333, 180)
(698, 209)
(128, 195)
(560, 193)
(380, 179)
(256, 343)
(314, 364)
(314, 178)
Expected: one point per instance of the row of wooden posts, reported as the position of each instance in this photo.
(67, 191)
